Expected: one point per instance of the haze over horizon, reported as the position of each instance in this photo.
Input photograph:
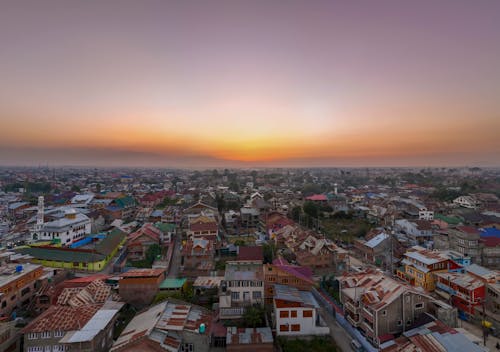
(241, 84)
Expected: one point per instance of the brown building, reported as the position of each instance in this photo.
(283, 273)
(139, 286)
(197, 257)
(18, 285)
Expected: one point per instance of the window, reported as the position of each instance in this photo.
(295, 327)
(284, 327)
(283, 314)
(419, 305)
(293, 314)
(384, 312)
(187, 347)
(257, 295)
(399, 323)
(32, 336)
(58, 333)
(307, 314)
(235, 296)
(45, 335)
(35, 349)
(4, 304)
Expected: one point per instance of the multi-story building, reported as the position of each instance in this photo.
(72, 227)
(139, 286)
(375, 250)
(18, 284)
(249, 219)
(420, 264)
(203, 226)
(283, 273)
(243, 286)
(82, 328)
(464, 291)
(10, 339)
(466, 202)
(139, 241)
(383, 308)
(466, 240)
(197, 257)
(296, 313)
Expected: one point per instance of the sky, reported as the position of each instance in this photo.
(250, 83)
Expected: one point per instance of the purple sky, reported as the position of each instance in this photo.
(216, 83)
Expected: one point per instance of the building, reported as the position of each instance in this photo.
(85, 328)
(384, 308)
(243, 286)
(466, 202)
(140, 286)
(203, 226)
(72, 227)
(249, 339)
(139, 241)
(417, 232)
(420, 264)
(168, 326)
(18, 285)
(283, 273)
(197, 257)
(92, 253)
(10, 339)
(249, 219)
(466, 240)
(464, 291)
(376, 250)
(296, 313)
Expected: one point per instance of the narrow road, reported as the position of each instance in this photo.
(341, 337)
(175, 264)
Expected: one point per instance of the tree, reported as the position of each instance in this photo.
(311, 209)
(296, 211)
(254, 316)
(269, 250)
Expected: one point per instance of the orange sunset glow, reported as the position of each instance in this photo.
(322, 85)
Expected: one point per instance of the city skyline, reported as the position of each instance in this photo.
(231, 84)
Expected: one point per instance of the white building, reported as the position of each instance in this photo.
(424, 214)
(243, 286)
(466, 202)
(71, 228)
(296, 312)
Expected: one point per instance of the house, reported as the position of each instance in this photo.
(466, 240)
(382, 308)
(249, 339)
(200, 207)
(9, 336)
(249, 219)
(465, 291)
(168, 326)
(490, 241)
(243, 286)
(317, 198)
(283, 273)
(82, 320)
(203, 225)
(417, 232)
(197, 257)
(139, 241)
(420, 264)
(466, 202)
(374, 250)
(316, 252)
(139, 286)
(18, 284)
(296, 313)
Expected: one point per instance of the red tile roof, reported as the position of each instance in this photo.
(63, 318)
(143, 273)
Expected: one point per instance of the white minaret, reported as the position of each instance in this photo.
(39, 215)
(335, 188)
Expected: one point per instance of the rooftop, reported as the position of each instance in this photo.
(292, 294)
(246, 336)
(142, 273)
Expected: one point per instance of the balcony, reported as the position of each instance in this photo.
(367, 329)
(349, 306)
(353, 322)
(231, 313)
(367, 315)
